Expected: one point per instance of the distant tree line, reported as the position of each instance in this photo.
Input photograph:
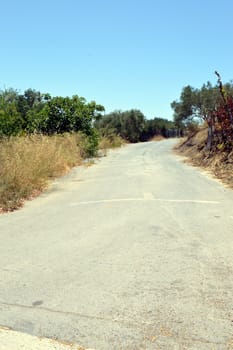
(34, 112)
(133, 126)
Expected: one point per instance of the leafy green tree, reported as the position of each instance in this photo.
(83, 114)
(133, 123)
(10, 118)
(110, 124)
(185, 108)
(35, 112)
(158, 126)
(29, 104)
(197, 104)
(64, 114)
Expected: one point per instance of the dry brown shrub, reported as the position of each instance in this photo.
(157, 138)
(110, 142)
(219, 163)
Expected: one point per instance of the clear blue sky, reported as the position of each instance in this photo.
(122, 53)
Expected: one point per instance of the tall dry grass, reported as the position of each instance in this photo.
(107, 143)
(27, 163)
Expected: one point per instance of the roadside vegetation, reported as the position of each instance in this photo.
(207, 116)
(30, 162)
(42, 137)
(133, 126)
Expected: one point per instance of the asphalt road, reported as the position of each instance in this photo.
(134, 252)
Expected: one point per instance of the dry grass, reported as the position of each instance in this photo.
(27, 164)
(219, 163)
(158, 138)
(110, 142)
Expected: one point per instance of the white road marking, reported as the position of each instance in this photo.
(143, 200)
(148, 195)
(100, 179)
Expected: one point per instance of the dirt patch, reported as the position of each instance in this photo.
(157, 138)
(218, 163)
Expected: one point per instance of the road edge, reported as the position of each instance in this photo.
(13, 340)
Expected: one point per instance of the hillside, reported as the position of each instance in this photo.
(217, 162)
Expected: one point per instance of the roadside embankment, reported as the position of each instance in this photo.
(218, 162)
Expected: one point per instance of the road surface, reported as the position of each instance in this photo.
(134, 252)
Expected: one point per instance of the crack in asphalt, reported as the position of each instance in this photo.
(71, 313)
